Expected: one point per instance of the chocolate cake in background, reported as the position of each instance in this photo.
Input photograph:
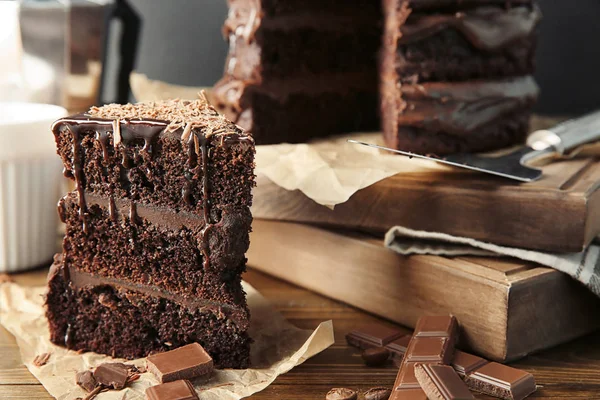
(456, 75)
(453, 75)
(156, 232)
(297, 70)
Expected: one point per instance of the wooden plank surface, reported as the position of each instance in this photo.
(507, 308)
(566, 372)
(560, 212)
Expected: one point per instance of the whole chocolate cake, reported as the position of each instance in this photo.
(299, 69)
(156, 232)
(456, 75)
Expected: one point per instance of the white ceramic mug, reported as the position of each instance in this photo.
(30, 176)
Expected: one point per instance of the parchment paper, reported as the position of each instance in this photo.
(330, 171)
(278, 347)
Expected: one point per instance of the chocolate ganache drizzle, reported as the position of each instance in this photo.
(125, 132)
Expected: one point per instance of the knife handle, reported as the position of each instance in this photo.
(567, 135)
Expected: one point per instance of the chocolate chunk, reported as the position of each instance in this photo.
(375, 356)
(501, 381)
(186, 362)
(441, 382)
(41, 359)
(341, 394)
(432, 342)
(177, 390)
(378, 393)
(86, 380)
(113, 375)
(373, 335)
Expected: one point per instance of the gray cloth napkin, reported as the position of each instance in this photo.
(584, 266)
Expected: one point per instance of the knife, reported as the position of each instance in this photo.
(558, 141)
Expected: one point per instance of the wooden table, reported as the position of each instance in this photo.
(569, 371)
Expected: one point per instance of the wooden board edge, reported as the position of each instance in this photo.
(538, 321)
(294, 206)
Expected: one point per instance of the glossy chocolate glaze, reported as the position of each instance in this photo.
(486, 28)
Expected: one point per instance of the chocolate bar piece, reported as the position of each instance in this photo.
(501, 381)
(492, 378)
(178, 390)
(373, 335)
(113, 375)
(432, 342)
(398, 347)
(186, 362)
(441, 382)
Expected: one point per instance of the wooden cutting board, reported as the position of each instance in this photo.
(558, 213)
(506, 308)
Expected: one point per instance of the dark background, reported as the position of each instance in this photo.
(181, 43)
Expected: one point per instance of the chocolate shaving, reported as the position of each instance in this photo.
(179, 113)
(41, 359)
(91, 395)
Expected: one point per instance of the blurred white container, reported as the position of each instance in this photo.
(30, 176)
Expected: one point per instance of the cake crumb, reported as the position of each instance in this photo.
(41, 359)
(5, 278)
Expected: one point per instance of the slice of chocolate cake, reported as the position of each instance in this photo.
(456, 75)
(156, 231)
(292, 63)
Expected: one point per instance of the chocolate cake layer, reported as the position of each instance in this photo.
(108, 316)
(149, 245)
(193, 164)
(467, 45)
(275, 116)
(282, 52)
(444, 118)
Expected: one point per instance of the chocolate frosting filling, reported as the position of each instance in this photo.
(161, 217)
(462, 108)
(81, 280)
(486, 28)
